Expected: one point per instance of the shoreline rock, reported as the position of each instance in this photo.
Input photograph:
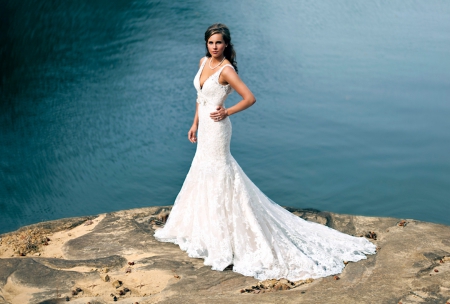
(98, 258)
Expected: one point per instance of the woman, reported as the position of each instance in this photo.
(221, 216)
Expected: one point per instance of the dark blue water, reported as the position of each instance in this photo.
(352, 112)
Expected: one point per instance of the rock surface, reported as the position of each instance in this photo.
(68, 260)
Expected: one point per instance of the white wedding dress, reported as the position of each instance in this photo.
(221, 216)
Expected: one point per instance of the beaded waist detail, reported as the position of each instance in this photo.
(201, 98)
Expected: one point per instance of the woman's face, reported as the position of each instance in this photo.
(216, 46)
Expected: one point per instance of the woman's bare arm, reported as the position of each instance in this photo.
(230, 76)
(192, 134)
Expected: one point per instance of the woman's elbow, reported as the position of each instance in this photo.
(249, 99)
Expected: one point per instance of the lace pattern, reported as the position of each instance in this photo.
(221, 216)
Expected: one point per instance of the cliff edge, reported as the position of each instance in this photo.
(114, 258)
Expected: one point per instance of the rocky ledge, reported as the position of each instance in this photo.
(114, 258)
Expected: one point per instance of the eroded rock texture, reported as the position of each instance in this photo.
(115, 256)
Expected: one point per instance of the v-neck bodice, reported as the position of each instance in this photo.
(212, 92)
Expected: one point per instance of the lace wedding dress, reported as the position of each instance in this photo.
(221, 216)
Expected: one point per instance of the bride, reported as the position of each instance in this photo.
(221, 216)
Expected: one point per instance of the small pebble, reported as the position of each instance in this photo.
(115, 299)
(371, 235)
(67, 299)
(402, 223)
(336, 277)
(435, 270)
(117, 283)
(78, 289)
(105, 277)
(131, 263)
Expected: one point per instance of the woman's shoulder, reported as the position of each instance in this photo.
(227, 67)
(201, 60)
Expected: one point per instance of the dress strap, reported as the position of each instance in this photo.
(220, 71)
(230, 65)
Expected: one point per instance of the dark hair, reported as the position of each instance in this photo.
(219, 28)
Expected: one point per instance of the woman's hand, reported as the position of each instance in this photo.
(192, 134)
(221, 113)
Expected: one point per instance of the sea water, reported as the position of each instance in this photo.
(352, 111)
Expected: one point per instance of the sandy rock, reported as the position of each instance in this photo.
(403, 271)
(303, 282)
(116, 284)
(105, 277)
(281, 286)
(163, 216)
(268, 283)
